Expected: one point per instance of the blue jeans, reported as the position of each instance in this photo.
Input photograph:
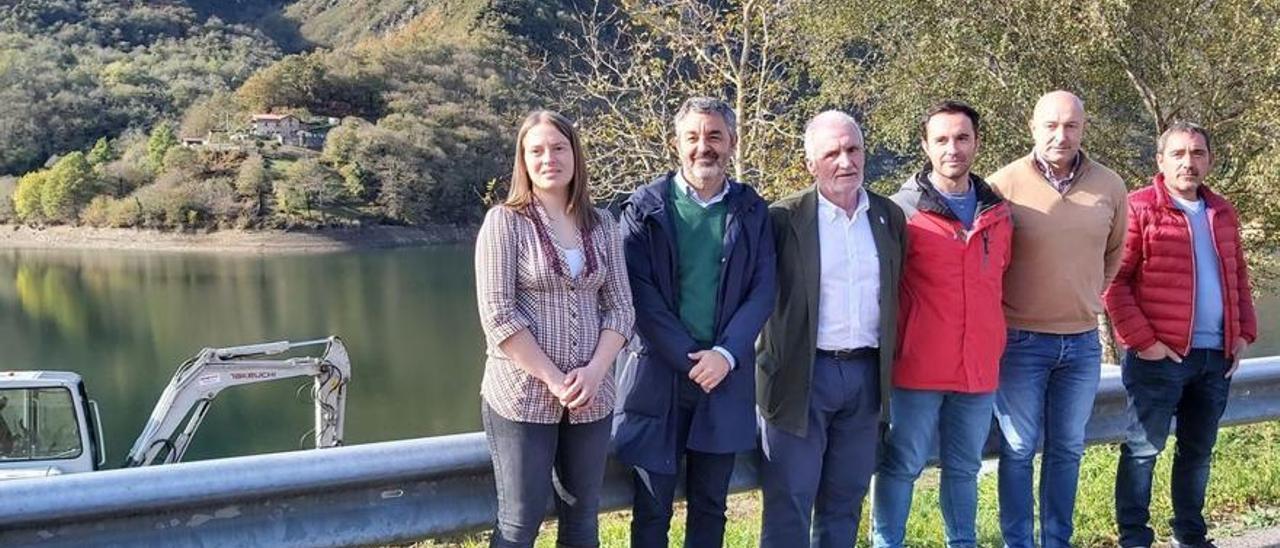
(1047, 386)
(1194, 391)
(814, 484)
(706, 490)
(531, 461)
(959, 423)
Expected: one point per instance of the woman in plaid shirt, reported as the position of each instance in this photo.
(555, 306)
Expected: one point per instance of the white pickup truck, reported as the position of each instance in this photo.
(49, 426)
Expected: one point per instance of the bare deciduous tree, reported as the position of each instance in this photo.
(631, 64)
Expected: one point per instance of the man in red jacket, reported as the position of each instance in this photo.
(1183, 340)
(952, 327)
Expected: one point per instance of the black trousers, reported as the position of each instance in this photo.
(531, 462)
(706, 488)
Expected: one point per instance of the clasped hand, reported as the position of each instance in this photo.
(577, 387)
(709, 368)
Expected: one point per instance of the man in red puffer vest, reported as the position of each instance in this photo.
(1182, 308)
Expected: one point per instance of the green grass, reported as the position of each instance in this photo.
(1244, 494)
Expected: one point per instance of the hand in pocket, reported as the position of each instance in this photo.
(1159, 351)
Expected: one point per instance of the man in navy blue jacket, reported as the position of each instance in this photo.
(700, 259)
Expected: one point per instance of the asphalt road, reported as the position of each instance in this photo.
(1255, 539)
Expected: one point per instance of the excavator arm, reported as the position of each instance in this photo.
(198, 381)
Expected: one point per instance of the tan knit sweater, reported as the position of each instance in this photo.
(1066, 247)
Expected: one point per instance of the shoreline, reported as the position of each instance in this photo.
(230, 240)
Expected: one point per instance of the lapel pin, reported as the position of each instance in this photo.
(882, 220)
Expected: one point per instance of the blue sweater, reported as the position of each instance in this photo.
(1206, 331)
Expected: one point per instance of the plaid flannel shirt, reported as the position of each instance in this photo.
(519, 286)
(1061, 184)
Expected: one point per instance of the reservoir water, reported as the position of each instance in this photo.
(125, 320)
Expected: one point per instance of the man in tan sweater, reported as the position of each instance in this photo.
(1069, 215)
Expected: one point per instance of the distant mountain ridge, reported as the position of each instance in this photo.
(293, 26)
(335, 23)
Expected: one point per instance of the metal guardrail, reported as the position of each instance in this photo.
(375, 493)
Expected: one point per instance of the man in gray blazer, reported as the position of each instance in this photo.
(825, 353)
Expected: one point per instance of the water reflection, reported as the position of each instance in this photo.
(126, 320)
(47, 293)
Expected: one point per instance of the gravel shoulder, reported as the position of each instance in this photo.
(1255, 539)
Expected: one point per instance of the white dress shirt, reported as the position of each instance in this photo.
(688, 190)
(849, 285)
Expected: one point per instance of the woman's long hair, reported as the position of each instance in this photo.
(520, 196)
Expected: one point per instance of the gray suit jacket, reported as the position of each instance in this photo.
(787, 344)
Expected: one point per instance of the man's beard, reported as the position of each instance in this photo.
(707, 171)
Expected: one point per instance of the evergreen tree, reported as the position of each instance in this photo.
(161, 140)
(101, 153)
(69, 187)
(26, 199)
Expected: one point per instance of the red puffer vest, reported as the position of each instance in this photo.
(1153, 296)
(950, 318)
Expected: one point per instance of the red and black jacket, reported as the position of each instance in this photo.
(951, 321)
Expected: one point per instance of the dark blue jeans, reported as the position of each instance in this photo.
(706, 488)
(1047, 386)
(1195, 392)
(531, 461)
(822, 477)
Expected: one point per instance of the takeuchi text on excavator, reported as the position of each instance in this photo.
(49, 426)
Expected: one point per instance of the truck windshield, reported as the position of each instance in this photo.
(38, 423)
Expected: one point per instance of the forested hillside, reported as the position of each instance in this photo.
(409, 98)
(330, 23)
(259, 113)
(73, 72)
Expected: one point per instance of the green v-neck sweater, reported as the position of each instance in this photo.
(700, 243)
